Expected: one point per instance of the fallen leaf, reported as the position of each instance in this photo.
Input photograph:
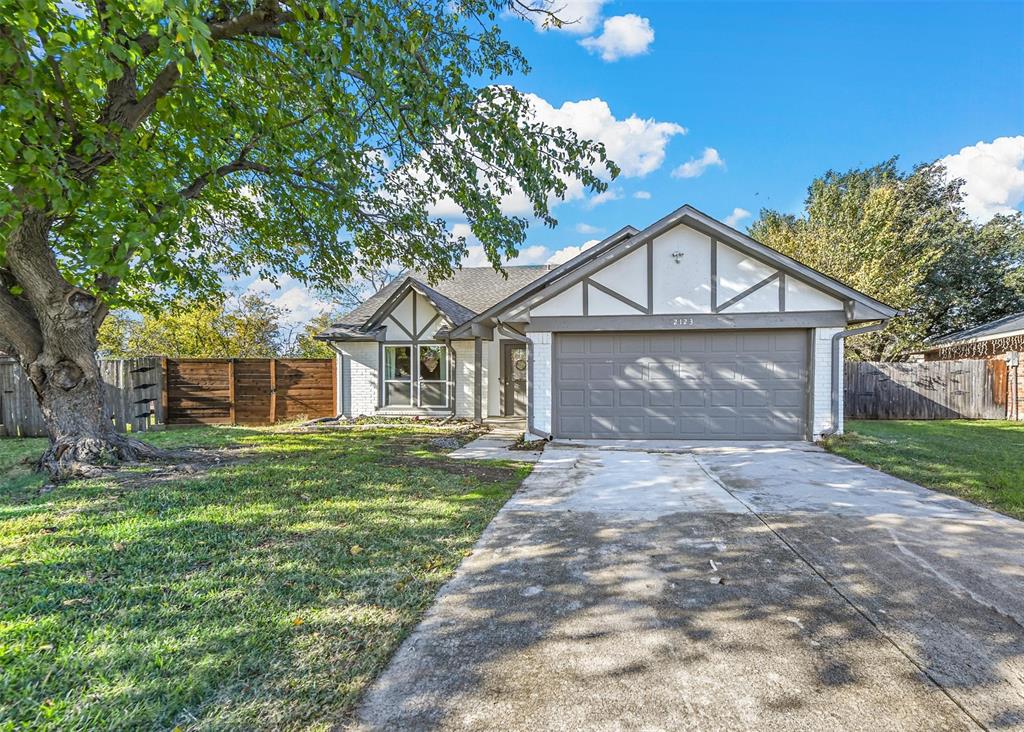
(76, 601)
(298, 621)
(118, 546)
(356, 549)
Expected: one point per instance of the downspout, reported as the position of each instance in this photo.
(837, 365)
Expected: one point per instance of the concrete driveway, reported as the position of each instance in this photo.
(724, 587)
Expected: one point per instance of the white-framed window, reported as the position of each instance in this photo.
(397, 376)
(433, 375)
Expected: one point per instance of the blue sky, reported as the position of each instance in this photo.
(771, 95)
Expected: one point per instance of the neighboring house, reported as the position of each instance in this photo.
(687, 329)
(1000, 340)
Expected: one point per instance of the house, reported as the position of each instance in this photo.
(1001, 341)
(687, 329)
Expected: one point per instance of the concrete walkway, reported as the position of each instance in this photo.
(495, 444)
(737, 587)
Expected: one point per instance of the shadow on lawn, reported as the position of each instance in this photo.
(258, 594)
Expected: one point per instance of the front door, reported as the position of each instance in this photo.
(513, 379)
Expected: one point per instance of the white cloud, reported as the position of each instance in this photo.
(636, 145)
(696, 166)
(611, 194)
(577, 16)
(622, 36)
(476, 257)
(587, 229)
(642, 195)
(293, 296)
(567, 253)
(993, 174)
(737, 215)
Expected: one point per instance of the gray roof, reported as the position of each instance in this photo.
(993, 329)
(460, 298)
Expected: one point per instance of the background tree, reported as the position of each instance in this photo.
(303, 343)
(905, 240)
(248, 326)
(149, 148)
(347, 296)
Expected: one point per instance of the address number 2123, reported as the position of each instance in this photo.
(677, 322)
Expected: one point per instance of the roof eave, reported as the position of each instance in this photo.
(862, 307)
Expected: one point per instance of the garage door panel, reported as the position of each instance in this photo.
(723, 397)
(570, 343)
(694, 385)
(795, 341)
(692, 397)
(572, 397)
(601, 344)
(662, 427)
(754, 398)
(755, 342)
(631, 397)
(571, 371)
(724, 342)
(664, 397)
(602, 397)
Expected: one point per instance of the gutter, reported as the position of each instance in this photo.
(837, 365)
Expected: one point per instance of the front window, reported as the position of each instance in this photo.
(398, 375)
(433, 376)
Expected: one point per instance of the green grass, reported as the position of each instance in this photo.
(981, 461)
(263, 593)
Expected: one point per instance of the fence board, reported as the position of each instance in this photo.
(966, 389)
(132, 390)
(248, 391)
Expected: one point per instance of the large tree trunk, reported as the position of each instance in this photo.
(67, 381)
(53, 327)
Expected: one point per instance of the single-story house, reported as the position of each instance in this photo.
(1000, 340)
(687, 329)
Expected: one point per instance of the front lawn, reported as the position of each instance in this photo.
(261, 592)
(982, 461)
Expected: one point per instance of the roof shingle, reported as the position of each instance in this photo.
(468, 292)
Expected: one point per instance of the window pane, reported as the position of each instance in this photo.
(433, 363)
(398, 393)
(433, 393)
(397, 362)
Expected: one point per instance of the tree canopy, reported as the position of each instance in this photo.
(176, 141)
(245, 326)
(905, 239)
(151, 148)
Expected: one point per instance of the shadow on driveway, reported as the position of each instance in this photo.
(732, 589)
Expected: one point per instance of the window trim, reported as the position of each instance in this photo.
(408, 380)
(414, 389)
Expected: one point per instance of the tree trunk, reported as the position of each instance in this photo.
(67, 382)
(53, 327)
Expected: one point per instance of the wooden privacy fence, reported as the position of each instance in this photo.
(974, 389)
(133, 388)
(249, 390)
(146, 393)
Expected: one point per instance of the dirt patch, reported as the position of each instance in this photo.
(463, 468)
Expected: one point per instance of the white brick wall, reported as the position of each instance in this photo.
(823, 382)
(464, 378)
(357, 383)
(540, 389)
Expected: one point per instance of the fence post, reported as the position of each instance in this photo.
(231, 389)
(273, 391)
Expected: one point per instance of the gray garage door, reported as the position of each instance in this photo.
(742, 385)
